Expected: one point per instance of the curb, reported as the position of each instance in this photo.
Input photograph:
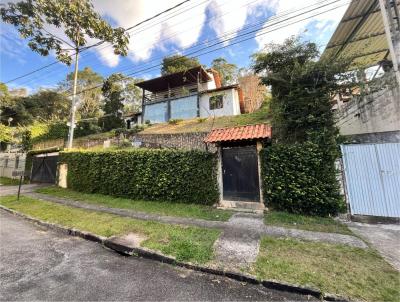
(153, 255)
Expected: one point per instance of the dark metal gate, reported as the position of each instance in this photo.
(44, 168)
(240, 174)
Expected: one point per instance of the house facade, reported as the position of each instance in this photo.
(196, 92)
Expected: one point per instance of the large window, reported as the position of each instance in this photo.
(216, 102)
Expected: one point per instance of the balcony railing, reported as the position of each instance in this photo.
(175, 93)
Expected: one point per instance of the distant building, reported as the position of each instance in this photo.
(18, 92)
(196, 92)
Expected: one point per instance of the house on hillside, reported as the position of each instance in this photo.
(196, 92)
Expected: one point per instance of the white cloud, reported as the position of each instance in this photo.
(321, 23)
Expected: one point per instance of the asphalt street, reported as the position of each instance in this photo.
(39, 264)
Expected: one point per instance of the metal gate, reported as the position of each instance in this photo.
(372, 176)
(44, 168)
(240, 174)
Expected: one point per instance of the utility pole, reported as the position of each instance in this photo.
(73, 106)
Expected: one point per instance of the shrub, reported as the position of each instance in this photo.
(174, 121)
(297, 179)
(148, 174)
(84, 128)
(47, 131)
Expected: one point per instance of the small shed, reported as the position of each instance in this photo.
(239, 164)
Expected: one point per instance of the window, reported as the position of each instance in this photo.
(216, 102)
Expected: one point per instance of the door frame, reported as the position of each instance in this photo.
(234, 204)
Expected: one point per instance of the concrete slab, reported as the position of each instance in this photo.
(385, 238)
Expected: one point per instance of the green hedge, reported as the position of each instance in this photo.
(299, 178)
(164, 175)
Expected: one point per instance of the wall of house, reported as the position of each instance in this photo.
(372, 118)
(191, 141)
(231, 104)
(10, 162)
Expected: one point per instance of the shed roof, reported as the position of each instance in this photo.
(249, 132)
(174, 80)
(360, 35)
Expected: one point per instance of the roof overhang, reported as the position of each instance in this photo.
(241, 133)
(360, 36)
(188, 77)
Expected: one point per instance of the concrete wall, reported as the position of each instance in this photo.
(8, 163)
(372, 118)
(231, 105)
(190, 141)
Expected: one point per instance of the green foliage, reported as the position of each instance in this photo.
(77, 19)
(26, 140)
(177, 63)
(6, 136)
(297, 179)
(170, 175)
(88, 127)
(112, 91)
(89, 87)
(46, 131)
(227, 71)
(175, 121)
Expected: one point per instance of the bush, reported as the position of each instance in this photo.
(84, 128)
(175, 121)
(297, 179)
(148, 174)
(47, 131)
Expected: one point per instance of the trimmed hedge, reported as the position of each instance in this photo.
(300, 178)
(147, 174)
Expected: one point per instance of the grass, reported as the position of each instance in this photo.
(154, 207)
(352, 272)
(185, 243)
(308, 223)
(205, 125)
(5, 181)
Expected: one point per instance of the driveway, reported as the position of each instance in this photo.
(36, 264)
(383, 237)
(13, 190)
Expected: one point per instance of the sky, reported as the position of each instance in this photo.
(232, 29)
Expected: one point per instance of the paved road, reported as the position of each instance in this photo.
(36, 264)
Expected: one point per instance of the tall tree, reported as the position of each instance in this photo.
(113, 102)
(89, 88)
(301, 91)
(177, 63)
(227, 71)
(36, 19)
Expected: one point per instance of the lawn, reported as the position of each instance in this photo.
(185, 243)
(308, 223)
(154, 207)
(5, 181)
(337, 269)
(200, 125)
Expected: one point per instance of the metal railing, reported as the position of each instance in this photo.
(174, 93)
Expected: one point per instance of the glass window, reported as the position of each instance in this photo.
(216, 102)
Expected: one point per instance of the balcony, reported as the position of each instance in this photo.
(176, 93)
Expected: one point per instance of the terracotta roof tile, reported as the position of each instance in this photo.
(239, 133)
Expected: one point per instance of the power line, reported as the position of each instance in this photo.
(284, 13)
(101, 42)
(236, 42)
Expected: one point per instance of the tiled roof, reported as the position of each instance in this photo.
(239, 133)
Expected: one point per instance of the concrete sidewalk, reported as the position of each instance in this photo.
(383, 237)
(25, 188)
(252, 227)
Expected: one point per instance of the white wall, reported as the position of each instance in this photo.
(375, 113)
(8, 163)
(230, 106)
